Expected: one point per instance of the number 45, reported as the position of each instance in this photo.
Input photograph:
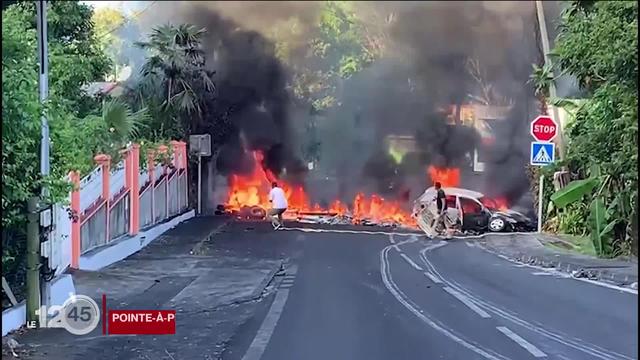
(85, 314)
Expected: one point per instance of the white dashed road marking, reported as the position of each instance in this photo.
(522, 342)
(465, 300)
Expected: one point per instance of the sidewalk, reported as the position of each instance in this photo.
(168, 274)
(530, 249)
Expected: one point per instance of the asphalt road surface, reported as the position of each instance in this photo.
(370, 295)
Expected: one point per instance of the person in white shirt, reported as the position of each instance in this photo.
(278, 205)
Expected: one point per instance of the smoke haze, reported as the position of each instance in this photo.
(424, 67)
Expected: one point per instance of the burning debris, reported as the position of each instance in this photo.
(248, 199)
(448, 177)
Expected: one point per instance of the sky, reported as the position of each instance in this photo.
(127, 6)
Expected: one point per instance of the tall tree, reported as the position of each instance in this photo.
(177, 56)
(598, 45)
(176, 62)
(75, 60)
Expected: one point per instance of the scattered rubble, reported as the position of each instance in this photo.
(307, 217)
(333, 219)
(11, 346)
(245, 213)
(324, 218)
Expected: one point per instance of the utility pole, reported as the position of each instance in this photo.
(43, 55)
(33, 207)
(33, 260)
(544, 39)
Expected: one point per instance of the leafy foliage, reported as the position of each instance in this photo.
(541, 79)
(343, 40)
(573, 192)
(175, 72)
(341, 45)
(74, 61)
(77, 128)
(598, 45)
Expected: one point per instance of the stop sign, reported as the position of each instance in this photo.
(544, 128)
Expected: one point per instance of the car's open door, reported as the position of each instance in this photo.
(473, 215)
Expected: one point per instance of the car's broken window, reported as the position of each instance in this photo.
(451, 202)
(489, 203)
(469, 206)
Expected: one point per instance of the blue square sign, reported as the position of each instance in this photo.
(542, 153)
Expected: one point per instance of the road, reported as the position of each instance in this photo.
(367, 295)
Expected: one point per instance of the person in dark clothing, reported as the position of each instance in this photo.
(441, 201)
(441, 205)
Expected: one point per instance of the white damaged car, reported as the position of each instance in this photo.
(468, 211)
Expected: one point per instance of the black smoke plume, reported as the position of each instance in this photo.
(424, 70)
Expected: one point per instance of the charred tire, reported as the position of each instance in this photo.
(258, 212)
(497, 224)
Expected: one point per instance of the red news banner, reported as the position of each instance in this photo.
(141, 322)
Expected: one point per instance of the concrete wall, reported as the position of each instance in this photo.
(56, 293)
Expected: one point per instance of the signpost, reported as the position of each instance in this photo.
(201, 146)
(542, 153)
(544, 128)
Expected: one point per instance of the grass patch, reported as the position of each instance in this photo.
(579, 244)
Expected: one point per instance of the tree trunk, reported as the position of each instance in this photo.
(169, 91)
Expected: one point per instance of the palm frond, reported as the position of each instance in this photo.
(209, 85)
(188, 35)
(174, 72)
(120, 120)
(152, 65)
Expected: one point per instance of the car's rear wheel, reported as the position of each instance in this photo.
(496, 224)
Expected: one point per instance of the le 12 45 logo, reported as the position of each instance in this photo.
(79, 315)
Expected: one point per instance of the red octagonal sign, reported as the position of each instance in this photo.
(544, 128)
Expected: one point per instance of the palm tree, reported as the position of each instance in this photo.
(176, 59)
(121, 123)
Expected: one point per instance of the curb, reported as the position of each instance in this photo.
(263, 284)
(576, 271)
(267, 279)
(257, 293)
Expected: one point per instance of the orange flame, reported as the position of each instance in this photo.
(253, 190)
(499, 203)
(448, 177)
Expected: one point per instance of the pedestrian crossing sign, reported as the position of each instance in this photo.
(542, 153)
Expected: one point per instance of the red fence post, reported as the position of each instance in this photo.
(132, 174)
(151, 165)
(185, 163)
(134, 190)
(177, 154)
(74, 176)
(105, 162)
(178, 163)
(163, 149)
